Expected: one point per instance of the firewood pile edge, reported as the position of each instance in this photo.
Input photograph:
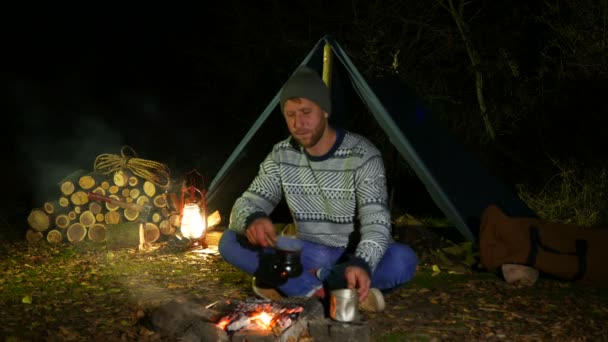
(73, 217)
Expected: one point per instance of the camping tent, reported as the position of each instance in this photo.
(456, 181)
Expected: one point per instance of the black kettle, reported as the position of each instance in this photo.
(287, 263)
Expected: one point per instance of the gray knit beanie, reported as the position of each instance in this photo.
(305, 82)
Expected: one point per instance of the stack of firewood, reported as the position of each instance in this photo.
(74, 217)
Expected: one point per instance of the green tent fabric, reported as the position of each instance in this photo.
(458, 183)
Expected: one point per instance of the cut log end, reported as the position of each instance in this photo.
(38, 220)
(54, 236)
(151, 232)
(97, 233)
(62, 221)
(76, 232)
(33, 236)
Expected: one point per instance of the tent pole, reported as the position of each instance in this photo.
(327, 61)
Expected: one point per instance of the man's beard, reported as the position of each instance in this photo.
(314, 139)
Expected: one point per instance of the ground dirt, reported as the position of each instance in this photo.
(85, 292)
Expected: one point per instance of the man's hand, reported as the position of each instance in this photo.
(357, 278)
(261, 232)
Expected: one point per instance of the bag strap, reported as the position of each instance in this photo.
(580, 252)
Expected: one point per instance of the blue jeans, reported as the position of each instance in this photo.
(396, 268)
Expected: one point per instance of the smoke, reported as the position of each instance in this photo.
(54, 138)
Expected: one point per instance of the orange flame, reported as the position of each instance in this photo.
(263, 320)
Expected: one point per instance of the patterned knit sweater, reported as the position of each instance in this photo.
(325, 194)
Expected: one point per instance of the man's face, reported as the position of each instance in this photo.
(306, 121)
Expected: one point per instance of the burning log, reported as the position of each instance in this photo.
(261, 315)
(249, 320)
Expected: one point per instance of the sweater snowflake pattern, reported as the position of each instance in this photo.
(325, 194)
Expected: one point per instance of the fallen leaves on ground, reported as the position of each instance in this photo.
(86, 292)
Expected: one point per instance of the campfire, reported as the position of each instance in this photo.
(290, 319)
(261, 315)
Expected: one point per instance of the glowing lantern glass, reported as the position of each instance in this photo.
(193, 222)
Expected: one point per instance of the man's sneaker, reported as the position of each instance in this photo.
(264, 292)
(374, 302)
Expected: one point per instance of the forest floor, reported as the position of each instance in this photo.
(84, 292)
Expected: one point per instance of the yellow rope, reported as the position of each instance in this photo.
(155, 172)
